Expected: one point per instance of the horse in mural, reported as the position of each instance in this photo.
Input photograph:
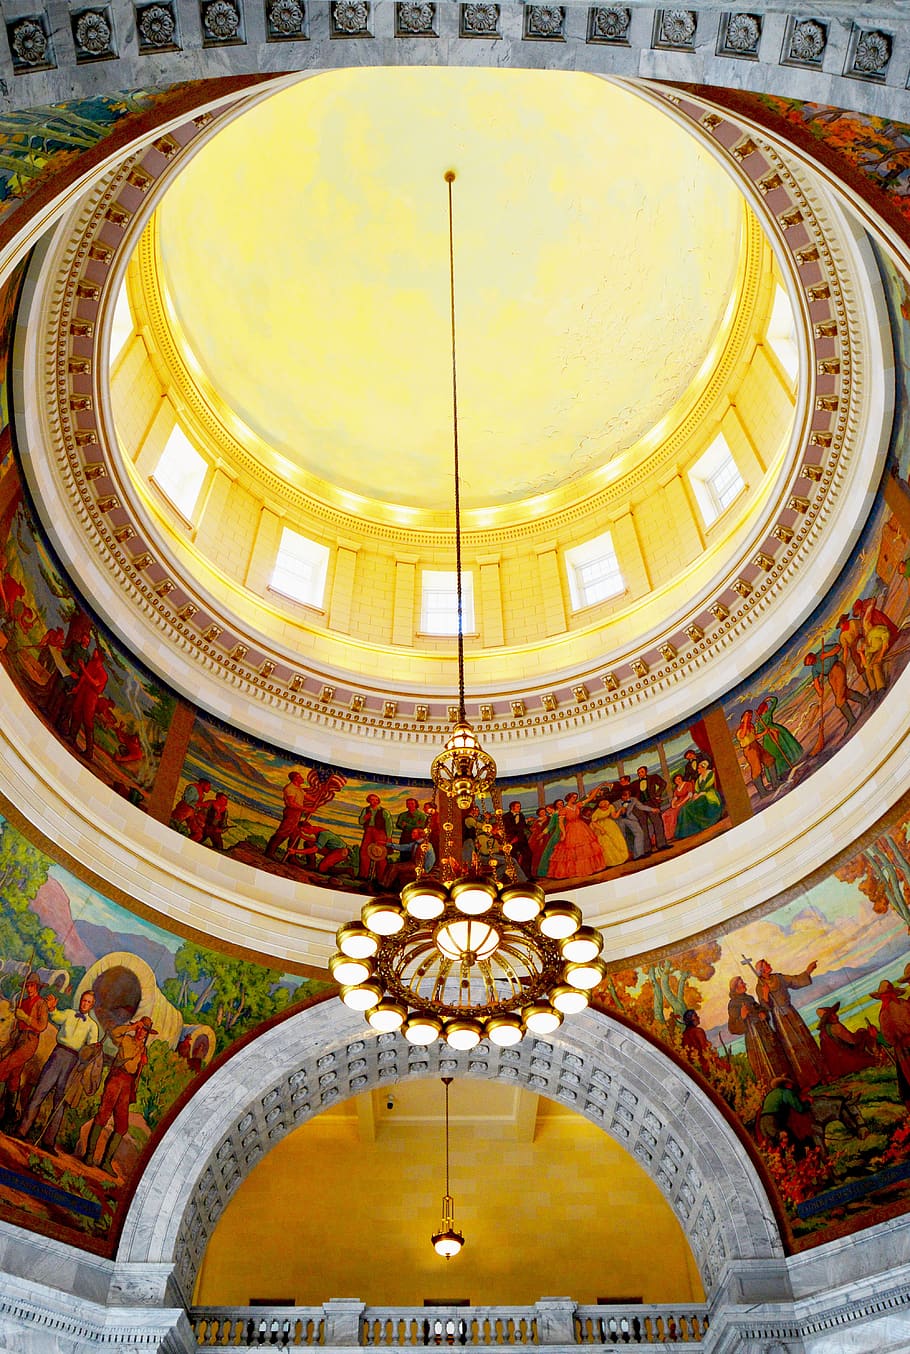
(825, 1109)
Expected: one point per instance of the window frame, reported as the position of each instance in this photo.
(703, 473)
(316, 555)
(597, 550)
(469, 611)
(188, 514)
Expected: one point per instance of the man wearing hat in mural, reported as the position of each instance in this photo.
(76, 1034)
(119, 1089)
(843, 1051)
(31, 1016)
(894, 1023)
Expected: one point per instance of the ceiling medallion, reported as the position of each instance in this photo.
(458, 954)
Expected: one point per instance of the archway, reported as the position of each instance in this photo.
(608, 1073)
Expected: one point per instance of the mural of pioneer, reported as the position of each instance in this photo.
(106, 1022)
(798, 1019)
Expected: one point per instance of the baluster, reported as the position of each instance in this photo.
(672, 1332)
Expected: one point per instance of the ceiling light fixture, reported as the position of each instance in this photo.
(458, 954)
(447, 1242)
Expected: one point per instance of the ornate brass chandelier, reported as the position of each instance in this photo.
(458, 954)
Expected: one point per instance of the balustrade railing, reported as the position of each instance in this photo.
(654, 1324)
(551, 1322)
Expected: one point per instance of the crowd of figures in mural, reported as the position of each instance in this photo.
(798, 1017)
(106, 1021)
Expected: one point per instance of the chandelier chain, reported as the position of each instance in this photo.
(450, 178)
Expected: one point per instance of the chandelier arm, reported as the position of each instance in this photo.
(450, 179)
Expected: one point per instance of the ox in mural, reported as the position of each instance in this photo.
(799, 1020)
(106, 1022)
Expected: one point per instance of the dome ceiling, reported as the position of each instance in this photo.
(593, 272)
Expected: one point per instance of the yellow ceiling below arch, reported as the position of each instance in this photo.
(304, 260)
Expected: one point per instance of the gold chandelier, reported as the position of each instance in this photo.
(457, 954)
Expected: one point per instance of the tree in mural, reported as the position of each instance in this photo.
(882, 873)
(669, 982)
(229, 994)
(23, 869)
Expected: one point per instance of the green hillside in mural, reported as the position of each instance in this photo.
(107, 1021)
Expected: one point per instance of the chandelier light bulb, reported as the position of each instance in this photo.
(422, 1029)
(362, 997)
(542, 1018)
(354, 940)
(586, 976)
(473, 897)
(347, 972)
(585, 945)
(505, 1030)
(448, 1243)
(463, 1034)
(558, 920)
(385, 916)
(387, 1016)
(569, 1000)
(424, 899)
(521, 902)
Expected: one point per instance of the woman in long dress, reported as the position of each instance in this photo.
(553, 831)
(612, 843)
(683, 790)
(577, 852)
(704, 809)
(538, 837)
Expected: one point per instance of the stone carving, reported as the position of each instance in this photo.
(609, 24)
(350, 18)
(873, 52)
(221, 20)
(416, 20)
(743, 34)
(545, 21)
(285, 18)
(677, 27)
(93, 32)
(807, 42)
(156, 25)
(29, 42)
(479, 21)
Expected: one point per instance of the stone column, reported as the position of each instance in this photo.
(490, 602)
(343, 585)
(403, 605)
(551, 595)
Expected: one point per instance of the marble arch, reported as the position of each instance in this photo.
(610, 1074)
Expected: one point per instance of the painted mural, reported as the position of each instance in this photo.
(36, 144)
(797, 1017)
(791, 716)
(107, 1022)
(107, 709)
(261, 806)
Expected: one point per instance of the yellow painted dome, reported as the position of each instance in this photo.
(593, 275)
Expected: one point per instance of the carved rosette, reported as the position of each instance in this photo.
(676, 28)
(93, 35)
(609, 24)
(545, 21)
(350, 19)
(221, 21)
(872, 54)
(741, 35)
(156, 26)
(29, 42)
(285, 19)
(480, 21)
(415, 20)
(807, 41)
